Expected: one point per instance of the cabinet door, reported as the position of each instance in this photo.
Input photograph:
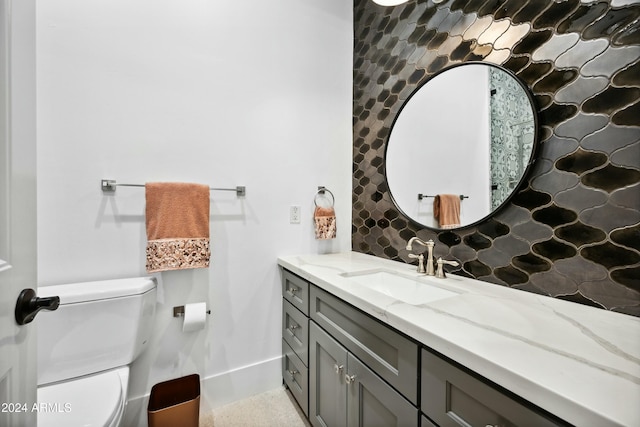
(327, 391)
(371, 402)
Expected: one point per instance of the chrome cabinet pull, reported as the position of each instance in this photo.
(292, 372)
(338, 369)
(349, 378)
(293, 326)
(292, 291)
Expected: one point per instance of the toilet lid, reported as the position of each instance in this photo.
(91, 401)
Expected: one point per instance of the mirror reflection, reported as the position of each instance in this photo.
(467, 135)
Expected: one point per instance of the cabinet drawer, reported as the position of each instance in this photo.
(389, 354)
(296, 377)
(295, 330)
(452, 397)
(296, 291)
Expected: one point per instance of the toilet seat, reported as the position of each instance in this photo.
(91, 401)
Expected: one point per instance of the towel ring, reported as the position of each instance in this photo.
(321, 191)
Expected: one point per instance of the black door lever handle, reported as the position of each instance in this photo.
(28, 305)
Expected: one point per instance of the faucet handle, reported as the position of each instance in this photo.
(420, 259)
(440, 274)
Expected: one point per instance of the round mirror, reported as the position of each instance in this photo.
(461, 145)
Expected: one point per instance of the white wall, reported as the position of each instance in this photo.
(219, 92)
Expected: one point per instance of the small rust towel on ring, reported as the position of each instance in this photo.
(177, 222)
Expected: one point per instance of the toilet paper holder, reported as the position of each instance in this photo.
(179, 311)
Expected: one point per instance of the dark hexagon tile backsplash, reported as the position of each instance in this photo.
(573, 229)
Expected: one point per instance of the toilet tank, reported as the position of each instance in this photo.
(98, 326)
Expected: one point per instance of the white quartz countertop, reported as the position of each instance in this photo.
(578, 362)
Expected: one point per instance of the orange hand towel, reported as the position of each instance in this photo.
(446, 210)
(325, 219)
(177, 219)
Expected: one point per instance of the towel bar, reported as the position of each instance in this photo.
(109, 186)
(422, 196)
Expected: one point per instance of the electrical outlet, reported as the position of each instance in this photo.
(294, 214)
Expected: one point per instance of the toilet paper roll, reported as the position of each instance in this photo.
(195, 316)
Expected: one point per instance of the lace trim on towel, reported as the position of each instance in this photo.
(325, 227)
(449, 226)
(177, 254)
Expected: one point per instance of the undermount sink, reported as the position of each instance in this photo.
(406, 289)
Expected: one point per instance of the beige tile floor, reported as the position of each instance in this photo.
(275, 408)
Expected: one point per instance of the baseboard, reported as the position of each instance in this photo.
(220, 389)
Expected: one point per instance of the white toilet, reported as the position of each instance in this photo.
(85, 347)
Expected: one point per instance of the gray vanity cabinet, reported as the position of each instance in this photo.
(346, 368)
(295, 337)
(343, 391)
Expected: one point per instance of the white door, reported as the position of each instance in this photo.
(17, 209)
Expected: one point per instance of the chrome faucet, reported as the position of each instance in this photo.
(429, 244)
